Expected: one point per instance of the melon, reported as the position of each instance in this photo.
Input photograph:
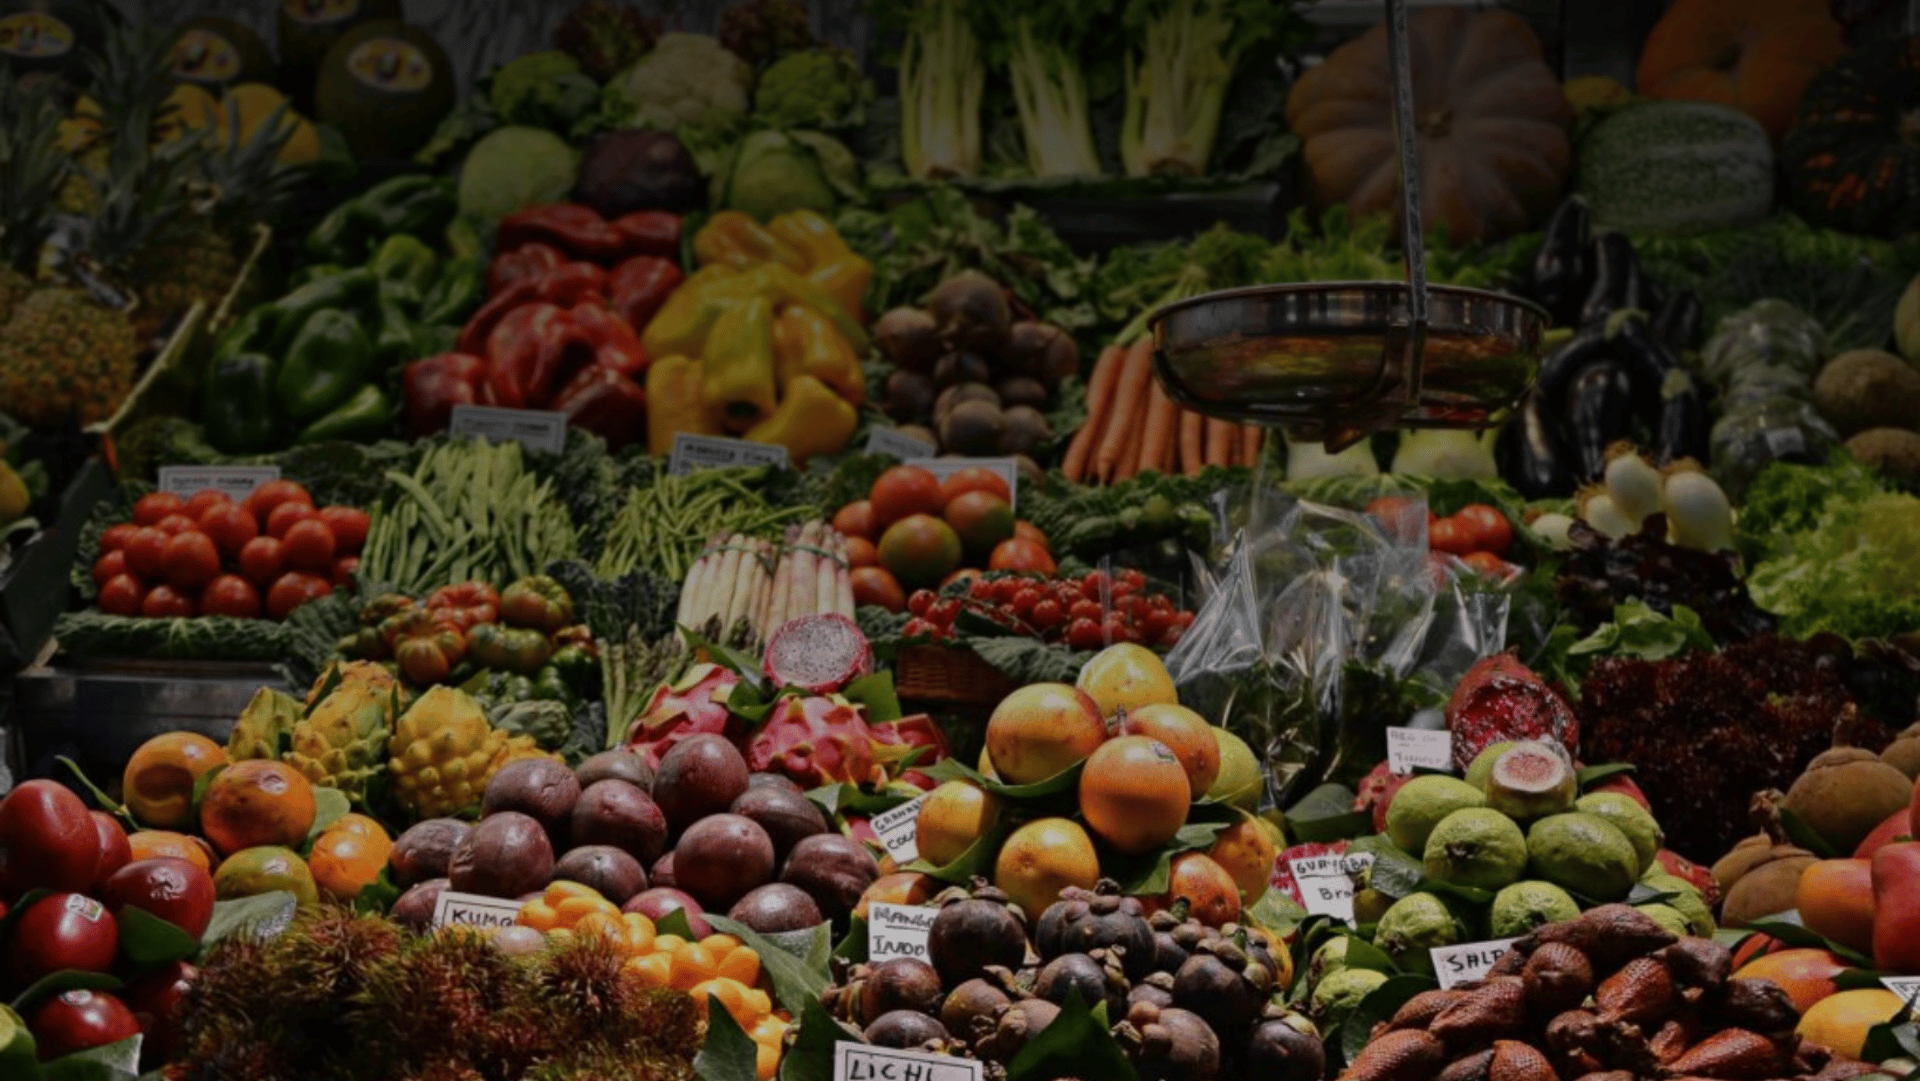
(1670, 168)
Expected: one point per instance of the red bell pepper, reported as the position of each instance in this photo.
(578, 230)
(614, 341)
(650, 232)
(564, 285)
(529, 354)
(607, 403)
(434, 385)
(530, 260)
(641, 285)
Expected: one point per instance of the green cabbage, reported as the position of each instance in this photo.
(773, 172)
(513, 168)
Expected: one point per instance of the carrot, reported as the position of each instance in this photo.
(1131, 460)
(1099, 404)
(1250, 444)
(1193, 429)
(1157, 437)
(1129, 401)
(1220, 439)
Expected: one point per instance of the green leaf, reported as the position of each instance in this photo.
(1326, 814)
(1380, 1005)
(796, 982)
(747, 668)
(974, 861)
(811, 1056)
(1802, 833)
(1642, 894)
(118, 1061)
(1394, 873)
(842, 799)
(377, 897)
(147, 939)
(1889, 1039)
(877, 694)
(1857, 979)
(1077, 1043)
(728, 1053)
(1472, 894)
(952, 769)
(853, 947)
(107, 803)
(1364, 954)
(1277, 913)
(65, 980)
(264, 915)
(330, 804)
(1593, 775)
(675, 923)
(1790, 930)
(201, 784)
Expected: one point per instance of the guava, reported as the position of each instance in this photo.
(1420, 805)
(1629, 818)
(1583, 854)
(1482, 765)
(1340, 993)
(1415, 924)
(1523, 906)
(1530, 780)
(1330, 958)
(1476, 847)
(1686, 899)
(1670, 918)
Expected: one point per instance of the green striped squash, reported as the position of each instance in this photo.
(1677, 167)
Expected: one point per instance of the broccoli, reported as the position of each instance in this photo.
(819, 88)
(541, 90)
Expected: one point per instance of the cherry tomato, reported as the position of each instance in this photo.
(145, 547)
(189, 561)
(308, 544)
(1489, 529)
(1024, 602)
(1487, 564)
(944, 611)
(165, 602)
(349, 526)
(1155, 625)
(917, 628)
(115, 537)
(261, 561)
(292, 590)
(198, 502)
(920, 601)
(343, 569)
(1085, 634)
(1047, 614)
(230, 595)
(121, 595)
(1133, 578)
(153, 506)
(229, 526)
(1117, 628)
(1094, 585)
(1086, 609)
(174, 524)
(109, 566)
(980, 589)
(285, 517)
(272, 494)
(1388, 508)
(1447, 535)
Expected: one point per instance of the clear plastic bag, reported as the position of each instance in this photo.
(1757, 430)
(1768, 339)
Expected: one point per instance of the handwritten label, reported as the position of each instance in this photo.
(1907, 987)
(860, 1062)
(1409, 749)
(1008, 468)
(472, 910)
(534, 429)
(895, 829)
(234, 481)
(898, 444)
(691, 452)
(1468, 961)
(898, 931)
(1326, 882)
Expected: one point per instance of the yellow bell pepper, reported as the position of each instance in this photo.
(733, 239)
(737, 365)
(681, 326)
(811, 420)
(835, 268)
(674, 402)
(805, 343)
(787, 287)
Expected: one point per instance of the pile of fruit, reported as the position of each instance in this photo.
(1085, 613)
(482, 639)
(916, 531)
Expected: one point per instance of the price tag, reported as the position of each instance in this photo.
(1409, 749)
(1326, 882)
(1785, 441)
(472, 910)
(1907, 987)
(1469, 961)
(691, 452)
(1008, 468)
(235, 481)
(898, 931)
(898, 444)
(862, 1062)
(534, 429)
(896, 830)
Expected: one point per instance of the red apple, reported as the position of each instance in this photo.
(76, 1020)
(47, 840)
(155, 999)
(61, 931)
(114, 849)
(172, 889)
(1897, 826)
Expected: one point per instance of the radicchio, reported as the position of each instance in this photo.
(691, 705)
(1501, 699)
(815, 741)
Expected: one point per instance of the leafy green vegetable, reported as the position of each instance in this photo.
(943, 77)
(1029, 660)
(1188, 54)
(96, 634)
(815, 88)
(1040, 46)
(1133, 282)
(1788, 498)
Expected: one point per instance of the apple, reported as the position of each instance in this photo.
(155, 999)
(172, 889)
(114, 849)
(76, 1020)
(61, 931)
(47, 840)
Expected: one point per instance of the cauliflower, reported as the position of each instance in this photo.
(819, 88)
(685, 77)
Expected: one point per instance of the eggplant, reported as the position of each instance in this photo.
(1560, 366)
(1559, 269)
(1600, 409)
(1618, 282)
(1530, 455)
(1677, 322)
(1678, 415)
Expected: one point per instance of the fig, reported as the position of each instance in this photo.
(776, 907)
(699, 776)
(909, 339)
(788, 816)
(722, 857)
(172, 889)
(971, 934)
(620, 764)
(414, 909)
(611, 871)
(900, 983)
(79, 1019)
(1079, 972)
(656, 902)
(972, 1002)
(616, 813)
(834, 870)
(970, 311)
(540, 788)
(62, 931)
(425, 849)
(506, 855)
(904, 1029)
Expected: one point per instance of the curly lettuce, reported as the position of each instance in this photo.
(1834, 551)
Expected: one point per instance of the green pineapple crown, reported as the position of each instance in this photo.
(33, 165)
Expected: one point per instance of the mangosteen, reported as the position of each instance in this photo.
(1156, 990)
(900, 983)
(970, 311)
(1214, 984)
(1104, 920)
(1016, 1025)
(905, 1029)
(909, 339)
(970, 934)
(1040, 351)
(1168, 954)
(1177, 1046)
(1285, 1047)
(1096, 981)
(970, 1004)
(960, 367)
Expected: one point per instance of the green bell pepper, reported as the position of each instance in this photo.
(313, 273)
(414, 203)
(405, 266)
(577, 665)
(329, 359)
(350, 291)
(454, 296)
(393, 342)
(362, 418)
(247, 334)
(521, 651)
(237, 409)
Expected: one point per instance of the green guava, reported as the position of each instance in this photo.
(1526, 905)
(1630, 818)
(1670, 918)
(1583, 854)
(1686, 899)
(1482, 765)
(1476, 847)
(1339, 993)
(1415, 924)
(1420, 805)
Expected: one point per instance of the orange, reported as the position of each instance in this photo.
(653, 969)
(1807, 975)
(766, 1060)
(1842, 1020)
(1042, 858)
(861, 552)
(160, 777)
(954, 816)
(155, 844)
(692, 964)
(1026, 530)
(902, 492)
(878, 587)
(257, 802)
(343, 864)
(1134, 793)
(1835, 899)
(1245, 850)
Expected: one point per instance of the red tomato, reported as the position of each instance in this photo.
(261, 561)
(1487, 564)
(1085, 634)
(1388, 508)
(349, 525)
(153, 506)
(343, 569)
(121, 596)
(1489, 529)
(309, 545)
(973, 479)
(163, 602)
(1449, 535)
(174, 524)
(1031, 532)
(272, 494)
(230, 595)
(285, 517)
(145, 547)
(229, 526)
(190, 561)
(109, 566)
(292, 590)
(115, 537)
(199, 501)
(1019, 554)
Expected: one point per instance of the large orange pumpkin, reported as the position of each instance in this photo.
(1754, 55)
(1490, 115)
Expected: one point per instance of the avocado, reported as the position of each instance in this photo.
(386, 86)
(215, 53)
(308, 28)
(53, 36)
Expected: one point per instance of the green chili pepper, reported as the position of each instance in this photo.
(360, 419)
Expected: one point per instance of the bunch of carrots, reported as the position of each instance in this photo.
(1132, 426)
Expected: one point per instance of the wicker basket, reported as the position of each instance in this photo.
(949, 674)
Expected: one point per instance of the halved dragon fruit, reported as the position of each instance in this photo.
(916, 734)
(1501, 699)
(695, 703)
(815, 741)
(1376, 792)
(817, 654)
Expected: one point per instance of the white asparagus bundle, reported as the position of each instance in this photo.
(832, 565)
(843, 597)
(782, 587)
(699, 581)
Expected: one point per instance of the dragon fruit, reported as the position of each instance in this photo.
(1376, 792)
(1683, 868)
(1283, 865)
(1501, 699)
(695, 703)
(815, 741)
(895, 740)
(817, 654)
